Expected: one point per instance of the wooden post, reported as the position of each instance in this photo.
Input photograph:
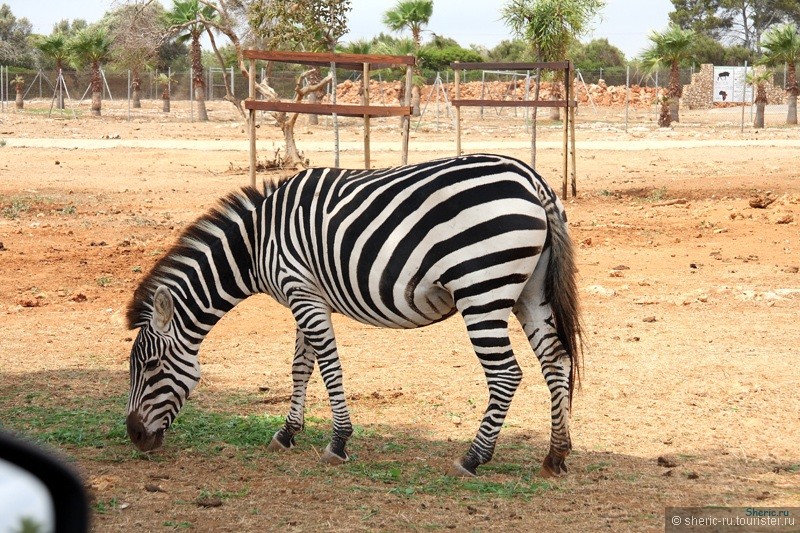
(252, 119)
(457, 81)
(571, 114)
(407, 118)
(365, 101)
(566, 136)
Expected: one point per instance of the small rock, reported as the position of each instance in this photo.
(649, 319)
(785, 219)
(666, 462)
(693, 475)
(788, 270)
(621, 267)
(761, 202)
(668, 473)
(2, 247)
(151, 487)
(208, 501)
(79, 298)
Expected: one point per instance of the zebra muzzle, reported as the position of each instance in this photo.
(139, 435)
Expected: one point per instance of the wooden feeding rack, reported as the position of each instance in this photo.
(569, 104)
(359, 62)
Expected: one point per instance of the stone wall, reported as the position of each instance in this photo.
(699, 94)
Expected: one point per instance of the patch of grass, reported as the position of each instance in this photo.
(15, 208)
(174, 524)
(105, 506)
(104, 281)
(596, 467)
(657, 195)
(3, 142)
(68, 210)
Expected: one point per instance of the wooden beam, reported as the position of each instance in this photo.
(514, 103)
(346, 61)
(329, 109)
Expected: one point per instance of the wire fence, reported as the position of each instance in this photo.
(614, 98)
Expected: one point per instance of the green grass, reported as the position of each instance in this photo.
(77, 423)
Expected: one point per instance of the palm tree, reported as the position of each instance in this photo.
(550, 26)
(93, 47)
(19, 85)
(412, 15)
(782, 45)
(759, 80)
(55, 47)
(165, 81)
(186, 19)
(671, 47)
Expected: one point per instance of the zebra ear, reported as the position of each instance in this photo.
(163, 308)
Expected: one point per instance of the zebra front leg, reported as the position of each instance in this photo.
(302, 368)
(314, 321)
(503, 376)
(537, 322)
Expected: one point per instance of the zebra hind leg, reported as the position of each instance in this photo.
(489, 335)
(537, 322)
(302, 368)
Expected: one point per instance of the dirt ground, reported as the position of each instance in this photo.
(690, 393)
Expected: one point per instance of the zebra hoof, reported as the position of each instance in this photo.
(554, 465)
(458, 470)
(330, 458)
(275, 445)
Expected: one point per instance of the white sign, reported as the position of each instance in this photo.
(730, 85)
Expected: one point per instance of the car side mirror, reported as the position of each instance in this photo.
(39, 489)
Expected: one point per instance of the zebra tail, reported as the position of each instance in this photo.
(561, 290)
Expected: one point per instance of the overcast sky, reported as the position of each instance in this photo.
(625, 23)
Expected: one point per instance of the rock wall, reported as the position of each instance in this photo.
(699, 94)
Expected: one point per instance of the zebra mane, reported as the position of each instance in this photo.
(242, 202)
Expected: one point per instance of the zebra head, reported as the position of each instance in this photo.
(163, 373)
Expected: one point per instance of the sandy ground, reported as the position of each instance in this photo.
(690, 299)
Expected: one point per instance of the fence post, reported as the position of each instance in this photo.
(335, 117)
(627, 94)
(457, 80)
(365, 101)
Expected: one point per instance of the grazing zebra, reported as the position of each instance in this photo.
(482, 235)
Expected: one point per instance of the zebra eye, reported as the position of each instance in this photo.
(150, 365)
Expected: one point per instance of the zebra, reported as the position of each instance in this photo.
(482, 235)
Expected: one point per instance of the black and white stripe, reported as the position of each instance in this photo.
(481, 235)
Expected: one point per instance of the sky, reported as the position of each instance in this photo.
(625, 23)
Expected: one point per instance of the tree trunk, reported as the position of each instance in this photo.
(791, 117)
(759, 120)
(313, 98)
(792, 90)
(198, 81)
(555, 94)
(292, 154)
(675, 92)
(20, 102)
(136, 90)
(415, 100)
(165, 101)
(97, 90)
(665, 117)
(60, 86)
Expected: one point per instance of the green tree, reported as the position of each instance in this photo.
(188, 21)
(511, 51)
(709, 50)
(54, 48)
(412, 15)
(550, 26)
(782, 46)
(65, 27)
(669, 49)
(14, 34)
(595, 55)
(740, 21)
(91, 47)
(759, 80)
(136, 31)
